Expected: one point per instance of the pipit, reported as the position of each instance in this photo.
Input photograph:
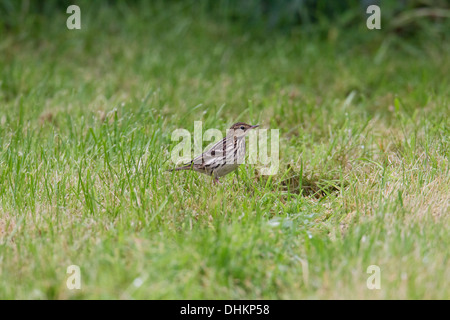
(223, 157)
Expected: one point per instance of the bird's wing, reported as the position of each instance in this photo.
(218, 151)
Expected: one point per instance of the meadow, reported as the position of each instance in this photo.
(86, 119)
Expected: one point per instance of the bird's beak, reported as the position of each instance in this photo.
(255, 126)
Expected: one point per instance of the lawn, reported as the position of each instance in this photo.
(86, 123)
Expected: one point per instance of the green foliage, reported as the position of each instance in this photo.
(86, 118)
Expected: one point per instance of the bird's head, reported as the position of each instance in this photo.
(240, 129)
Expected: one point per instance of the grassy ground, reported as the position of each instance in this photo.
(85, 139)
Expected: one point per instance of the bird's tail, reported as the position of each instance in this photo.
(186, 167)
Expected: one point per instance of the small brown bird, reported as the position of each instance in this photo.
(223, 157)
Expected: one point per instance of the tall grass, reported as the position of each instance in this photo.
(85, 138)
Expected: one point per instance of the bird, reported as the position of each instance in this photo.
(223, 157)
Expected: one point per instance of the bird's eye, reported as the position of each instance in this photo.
(242, 127)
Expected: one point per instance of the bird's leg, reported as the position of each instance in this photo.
(216, 180)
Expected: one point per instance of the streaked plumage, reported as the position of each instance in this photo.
(223, 157)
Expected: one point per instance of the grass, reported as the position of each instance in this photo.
(85, 138)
